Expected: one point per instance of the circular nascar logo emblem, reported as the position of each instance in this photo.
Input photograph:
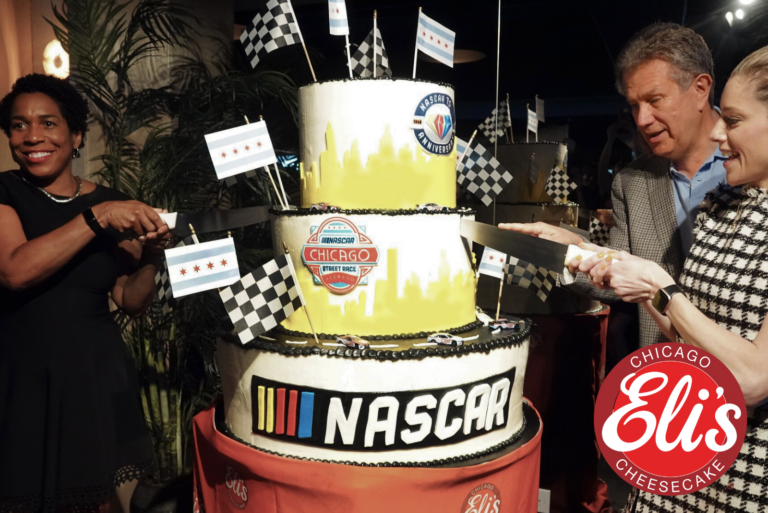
(433, 123)
(670, 419)
(485, 498)
(339, 254)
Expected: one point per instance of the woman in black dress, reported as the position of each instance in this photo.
(71, 425)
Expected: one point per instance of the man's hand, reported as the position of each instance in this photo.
(544, 231)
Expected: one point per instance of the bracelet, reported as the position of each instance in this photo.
(93, 223)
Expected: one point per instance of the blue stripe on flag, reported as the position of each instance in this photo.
(336, 1)
(203, 280)
(259, 159)
(440, 32)
(435, 49)
(230, 141)
(198, 255)
(338, 23)
(485, 266)
(305, 414)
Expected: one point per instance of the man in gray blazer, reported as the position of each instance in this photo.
(666, 73)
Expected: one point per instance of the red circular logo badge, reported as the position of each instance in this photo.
(670, 419)
(485, 498)
(236, 489)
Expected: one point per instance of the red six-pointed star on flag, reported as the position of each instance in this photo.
(234, 151)
(223, 155)
(423, 33)
(247, 148)
(210, 265)
(196, 268)
(183, 272)
(431, 38)
(446, 45)
(438, 42)
(223, 263)
(258, 144)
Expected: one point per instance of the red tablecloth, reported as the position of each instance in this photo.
(230, 476)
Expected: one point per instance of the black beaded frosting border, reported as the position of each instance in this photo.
(380, 79)
(222, 427)
(403, 336)
(513, 339)
(371, 211)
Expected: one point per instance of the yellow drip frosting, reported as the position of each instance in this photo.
(445, 303)
(390, 179)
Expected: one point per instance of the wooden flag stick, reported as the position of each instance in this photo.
(416, 50)
(375, 15)
(279, 198)
(510, 139)
(306, 310)
(466, 150)
(301, 38)
(527, 108)
(349, 61)
(498, 303)
(280, 180)
(194, 235)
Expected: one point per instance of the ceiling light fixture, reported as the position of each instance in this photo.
(739, 14)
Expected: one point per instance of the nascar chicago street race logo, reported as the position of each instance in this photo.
(485, 498)
(339, 254)
(670, 419)
(433, 123)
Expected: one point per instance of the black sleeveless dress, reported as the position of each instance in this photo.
(71, 423)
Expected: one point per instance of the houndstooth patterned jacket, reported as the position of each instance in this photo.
(645, 226)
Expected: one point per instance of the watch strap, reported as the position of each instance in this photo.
(664, 296)
(93, 223)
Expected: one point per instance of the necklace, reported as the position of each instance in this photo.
(54, 198)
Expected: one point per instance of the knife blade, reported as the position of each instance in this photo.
(215, 220)
(548, 254)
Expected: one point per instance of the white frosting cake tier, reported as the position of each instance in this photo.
(377, 144)
(379, 274)
(370, 410)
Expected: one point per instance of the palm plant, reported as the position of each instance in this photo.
(155, 152)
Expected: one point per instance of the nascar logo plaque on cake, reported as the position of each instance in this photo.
(433, 123)
(339, 254)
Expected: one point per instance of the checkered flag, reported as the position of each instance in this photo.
(599, 233)
(487, 126)
(263, 299)
(270, 29)
(559, 185)
(164, 294)
(363, 56)
(481, 174)
(538, 280)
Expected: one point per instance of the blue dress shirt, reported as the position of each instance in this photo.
(690, 193)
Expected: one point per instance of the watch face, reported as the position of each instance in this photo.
(660, 301)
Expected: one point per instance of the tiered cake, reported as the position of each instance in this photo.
(381, 274)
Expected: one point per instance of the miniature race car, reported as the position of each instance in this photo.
(504, 324)
(353, 341)
(324, 207)
(446, 339)
(432, 207)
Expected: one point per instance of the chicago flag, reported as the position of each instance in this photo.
(337, 16)
(240, 149)
(200, 267)
(435, 40)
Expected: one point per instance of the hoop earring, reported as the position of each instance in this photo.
(76, 153)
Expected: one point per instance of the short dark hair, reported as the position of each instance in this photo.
(73, 107)
(680, 46)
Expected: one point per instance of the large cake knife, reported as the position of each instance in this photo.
(551, 255)
(215, 220)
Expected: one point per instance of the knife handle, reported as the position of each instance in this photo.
(169, 219)
(573, 251)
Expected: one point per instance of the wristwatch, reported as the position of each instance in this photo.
(661, 300)
(93, 223)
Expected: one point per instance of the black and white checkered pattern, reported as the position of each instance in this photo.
(272, 28)
(599, 233)
(724, 277)
(363, 56)
(163, 293)
(538, 280)
(239, 178)
(487, 126)
(482, 175)
(262, 299)
(559, 185)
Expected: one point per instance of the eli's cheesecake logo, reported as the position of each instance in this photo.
(433, 123)
(236, 489)
(339, 254)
